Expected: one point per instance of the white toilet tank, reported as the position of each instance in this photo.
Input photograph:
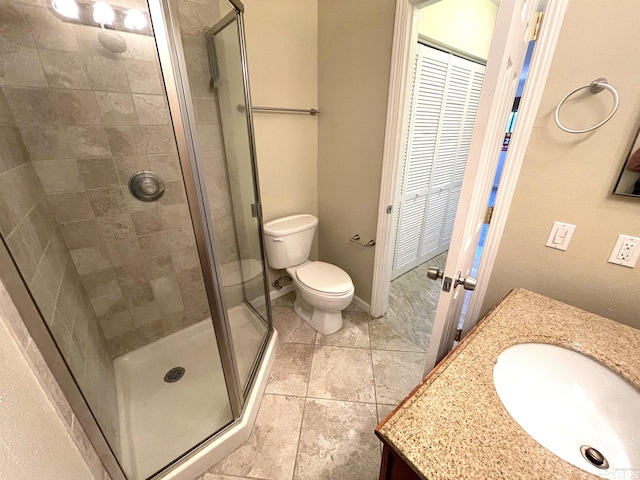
(288, 240)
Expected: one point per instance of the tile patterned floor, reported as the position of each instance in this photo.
(325, 396)
(413, 299)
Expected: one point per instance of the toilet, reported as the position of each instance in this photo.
(322, 289)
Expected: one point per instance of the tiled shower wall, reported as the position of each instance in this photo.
(35, 242)
(90, 119)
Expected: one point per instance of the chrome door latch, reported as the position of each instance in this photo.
(468, 283)
(435, 273)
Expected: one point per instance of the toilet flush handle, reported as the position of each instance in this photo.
(278, 239)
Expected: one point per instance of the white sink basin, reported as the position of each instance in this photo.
(566, 401)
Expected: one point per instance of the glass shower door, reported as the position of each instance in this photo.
(117, 279)
(224, 148)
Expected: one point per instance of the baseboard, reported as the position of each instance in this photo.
(273, 294)
(361, 304)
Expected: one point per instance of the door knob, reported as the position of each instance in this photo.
(469, 283)
(434, 273)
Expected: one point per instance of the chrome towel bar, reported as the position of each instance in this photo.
(310, 111)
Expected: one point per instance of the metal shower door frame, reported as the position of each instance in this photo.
(169, 45)
(169, 55)
(210, 33)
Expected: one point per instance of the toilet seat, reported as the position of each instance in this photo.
(325, 278)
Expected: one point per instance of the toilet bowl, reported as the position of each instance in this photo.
(322, 290)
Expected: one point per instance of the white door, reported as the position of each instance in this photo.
(506, 57)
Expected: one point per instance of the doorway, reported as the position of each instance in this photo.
(447, 72)
(514, 22)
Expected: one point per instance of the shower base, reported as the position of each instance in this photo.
(159, 419)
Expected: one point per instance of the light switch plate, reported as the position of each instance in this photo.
(626, 251)
(560, 235)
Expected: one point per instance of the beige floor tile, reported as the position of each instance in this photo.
(384, 410)
(341, 373)
(354, 332)
(353, 308)
(337, 442)
(384, 337)
(396, 374)
(285, 301)
(291, 327)
(290, 371)
(270, 452)
(212, 476)
(413, 298)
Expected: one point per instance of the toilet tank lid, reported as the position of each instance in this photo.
(289, 225)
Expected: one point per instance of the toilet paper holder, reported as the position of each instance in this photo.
(356, 239)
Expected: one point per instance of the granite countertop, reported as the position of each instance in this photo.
(454, 425)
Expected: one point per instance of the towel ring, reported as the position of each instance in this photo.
(596, 86)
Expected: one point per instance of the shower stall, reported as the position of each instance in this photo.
(131, 225)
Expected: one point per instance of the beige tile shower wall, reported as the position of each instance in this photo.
(90, 118)
(282, 47)
(570, 178)
(35, 242)
(354, 58)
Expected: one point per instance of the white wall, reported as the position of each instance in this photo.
(35, 443)
(282, 48)
(464, 25)
(570, 178)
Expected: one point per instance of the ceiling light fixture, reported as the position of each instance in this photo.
(103, 13)
(66, 8)
(135, 20)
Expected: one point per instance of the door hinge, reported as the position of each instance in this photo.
(389, 208)
(458, 335)
(535, 28)
(488, 215)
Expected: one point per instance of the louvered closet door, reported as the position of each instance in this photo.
(446, 91)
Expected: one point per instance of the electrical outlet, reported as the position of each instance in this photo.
(623, 255)
(625, 251)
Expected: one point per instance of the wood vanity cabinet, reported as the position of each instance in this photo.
(393, 467)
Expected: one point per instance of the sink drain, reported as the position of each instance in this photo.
(594, 457)
(174, 375)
